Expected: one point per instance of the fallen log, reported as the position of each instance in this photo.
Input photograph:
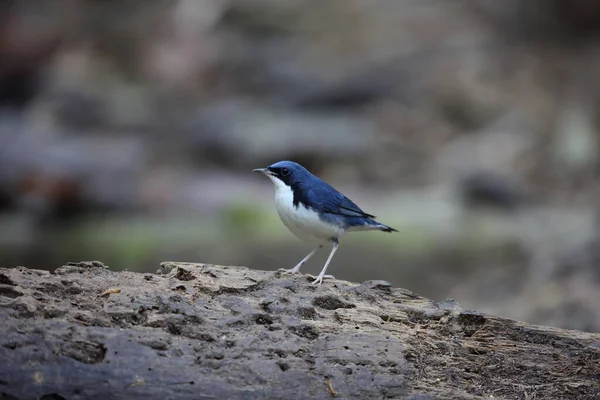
(199, 331)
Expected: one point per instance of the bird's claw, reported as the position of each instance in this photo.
(292, 271)
(319, 279)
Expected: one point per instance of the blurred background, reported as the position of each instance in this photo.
(128, 130)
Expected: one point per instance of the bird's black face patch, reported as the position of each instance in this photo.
(283, 173)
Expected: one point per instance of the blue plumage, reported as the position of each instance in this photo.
(313, 210)
(312, 192)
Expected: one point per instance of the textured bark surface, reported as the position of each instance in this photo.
(197, 331)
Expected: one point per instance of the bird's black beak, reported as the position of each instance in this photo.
(264, 171)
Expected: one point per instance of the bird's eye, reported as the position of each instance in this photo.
(285, 172)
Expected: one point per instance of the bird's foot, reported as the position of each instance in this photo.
(319, 279)
(292, 271)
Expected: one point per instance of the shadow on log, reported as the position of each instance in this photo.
(197, 331)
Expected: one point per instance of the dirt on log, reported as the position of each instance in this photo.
(197, 331)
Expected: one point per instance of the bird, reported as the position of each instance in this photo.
(314, 211)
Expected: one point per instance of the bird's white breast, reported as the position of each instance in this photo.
(301, 221)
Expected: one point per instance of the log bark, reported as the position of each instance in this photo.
(198, 331)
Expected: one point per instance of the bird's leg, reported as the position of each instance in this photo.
(322, 275)
(296, 269)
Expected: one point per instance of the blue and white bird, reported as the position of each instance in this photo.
(314, 211)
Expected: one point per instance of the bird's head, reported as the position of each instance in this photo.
(284, 172)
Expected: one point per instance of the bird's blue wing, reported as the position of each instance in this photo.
(346, 207)
(334, 202)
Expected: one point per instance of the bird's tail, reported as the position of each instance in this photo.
(368, 224)
(385, 228)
